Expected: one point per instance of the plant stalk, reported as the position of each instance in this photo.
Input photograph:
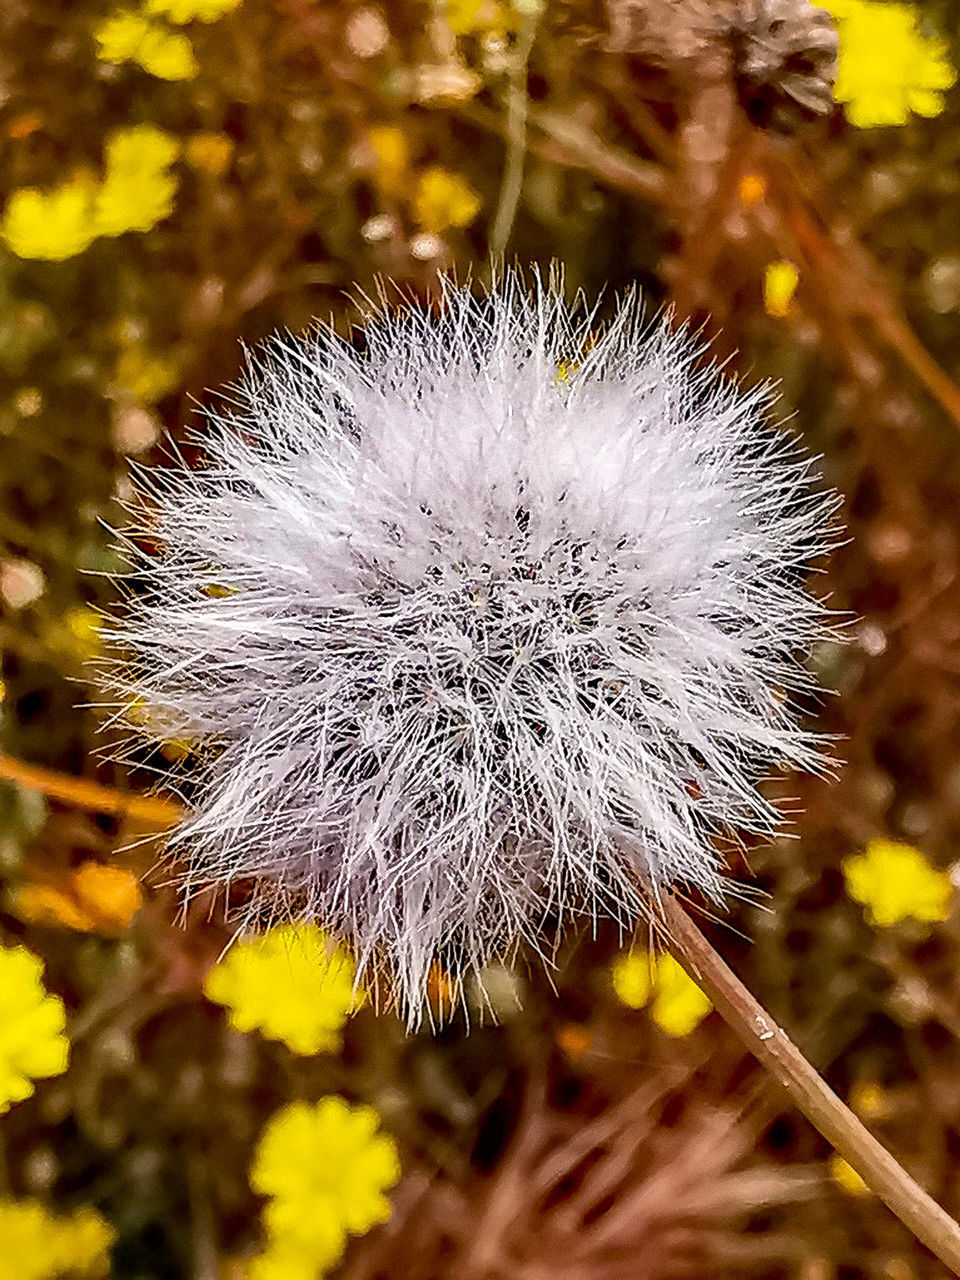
(812, 1095)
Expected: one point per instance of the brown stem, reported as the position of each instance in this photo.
(812, 1095)
(90, 795)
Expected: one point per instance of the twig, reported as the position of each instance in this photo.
(812, 1095)
(516, 134)
(90, 795)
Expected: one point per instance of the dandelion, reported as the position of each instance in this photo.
(293, 984)
(495, 646)
(32, 1040)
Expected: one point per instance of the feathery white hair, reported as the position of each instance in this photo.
(491, 617)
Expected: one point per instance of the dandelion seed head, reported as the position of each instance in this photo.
(490, 617)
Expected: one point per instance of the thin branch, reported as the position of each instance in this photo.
(812, 1095)
(516, 135)
(85, 794)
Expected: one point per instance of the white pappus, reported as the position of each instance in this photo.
(490, 617)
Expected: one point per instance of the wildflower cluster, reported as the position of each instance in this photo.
(39, 1245)
(325, 1168)
(293, 984)
(678, 1005)
(144, 35)
(888, 66)
(32, 1040)
(135, 193)
(475, 643)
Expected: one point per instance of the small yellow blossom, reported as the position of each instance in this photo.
(888, 66)
(93, 899)
(182, 11)
(752, 188)
(391, 153)
(894, 882)
(293, 984)
(32, 1040)
(327, 1168)
(480, 17)
(138, 189)
(134, 37)
(678, 1003)
(870, 1100)
(145, 375)
(37, 1245)
(444, 199)
(210, 152)
(845, 1176)
(780, 282)
(54, 224)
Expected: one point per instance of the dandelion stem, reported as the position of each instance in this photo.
(812, 1095)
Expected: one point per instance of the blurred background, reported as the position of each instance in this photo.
(184, 176)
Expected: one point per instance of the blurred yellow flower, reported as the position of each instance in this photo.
(480, 17)
(54, 224)
(888, 66)
(845, 1176)
(895, 881)
(210, 152)
(32, 1040)
(190, 10)
(128, 36)
(292, 984)
(93, 899)
(138, 189)
(326, 1167)
(391, 153)
(780, 282)
(37, 1245)
(135, 194)
(678, 1004)
(146, 376)
(444, 199)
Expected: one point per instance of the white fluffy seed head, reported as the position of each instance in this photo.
(489, 618)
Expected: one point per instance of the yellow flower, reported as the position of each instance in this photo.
(138, 189)
(479, 17)
(210, 152)
(845, 1176)
(779, 285)
(326, 1167)
(32, 1022)
(894, 881)
(55, 224)
(133, 37)
(444, 199)
(40, 1246)
(887, 66)
(391, 153)
(190, 10)
(293, 984)
(92, 899)
(678, 1003)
